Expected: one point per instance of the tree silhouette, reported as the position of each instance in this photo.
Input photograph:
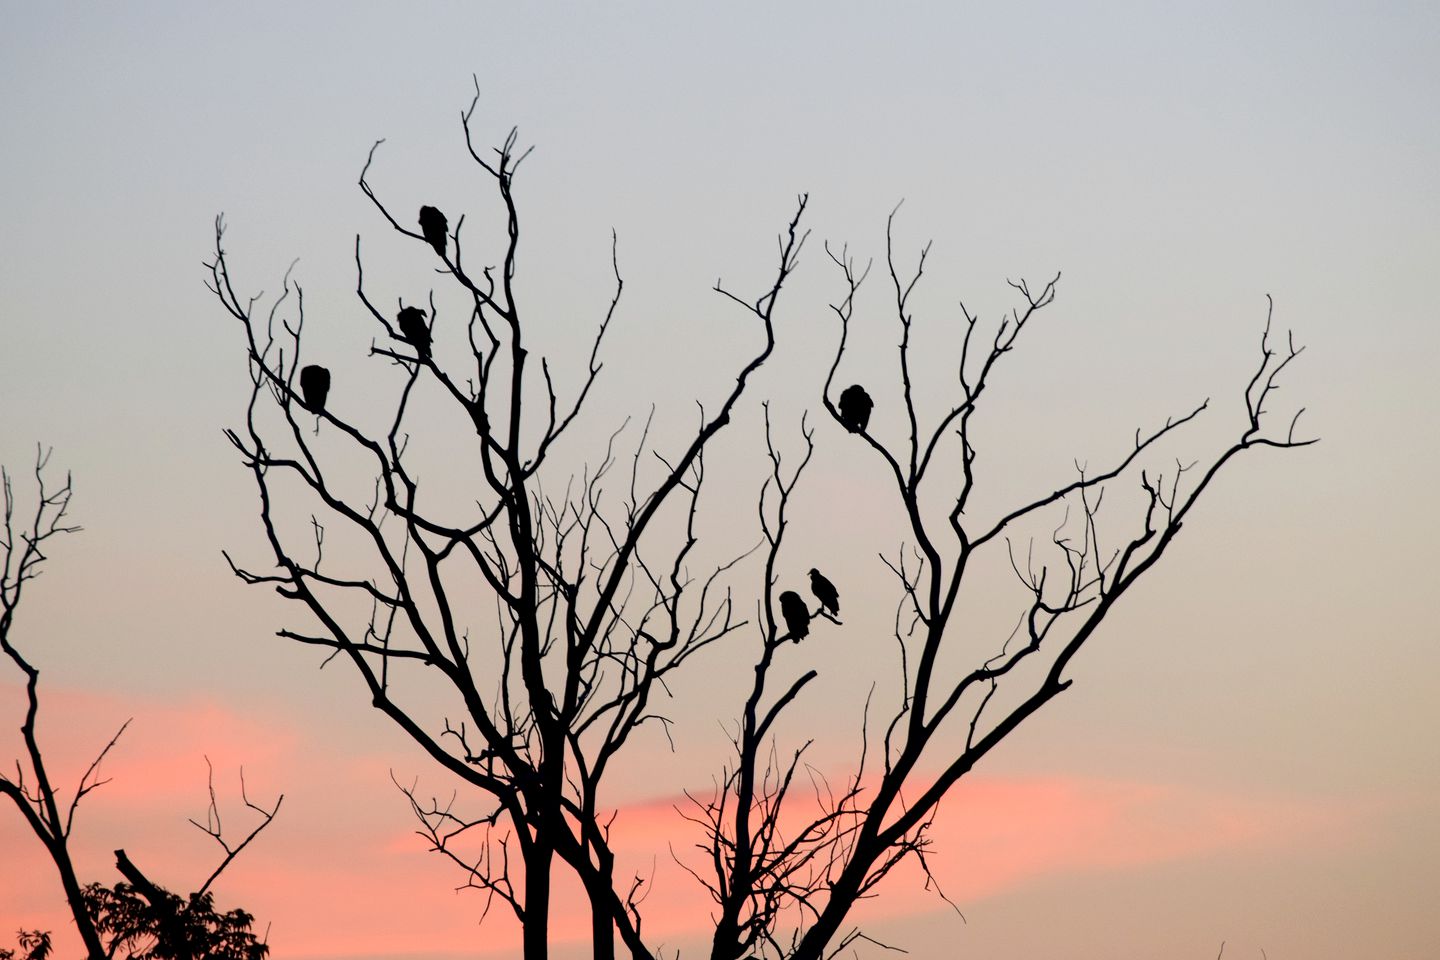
(591, 605)
(34, 945)
(141, 921)
(815, 871)
(136, 919)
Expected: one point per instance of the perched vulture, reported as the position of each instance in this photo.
(855, 407)
(433, 226)
(314, 386)
(796, 614)
(411, 321)
(824, 591)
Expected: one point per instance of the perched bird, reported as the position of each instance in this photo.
(314, 386)
(433, 225)
(824, 591)
(411, 321)
(796, 614)
(855, 407)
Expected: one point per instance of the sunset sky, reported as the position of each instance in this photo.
(1248, 754)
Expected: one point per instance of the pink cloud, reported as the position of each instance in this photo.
(331, 875)
(994, 835)
(161, 754)
(338, 874)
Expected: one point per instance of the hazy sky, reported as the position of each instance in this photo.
(1248, 753)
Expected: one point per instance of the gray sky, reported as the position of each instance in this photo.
(1275, 676)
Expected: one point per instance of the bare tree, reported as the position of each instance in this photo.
(136, 916)
(23, 551)
(832, 860)
(588, 605)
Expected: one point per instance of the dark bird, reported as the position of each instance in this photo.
(314, 386)
(796, 614)
(411, 321)
(824, 591)
(855, 407)
(433, 225)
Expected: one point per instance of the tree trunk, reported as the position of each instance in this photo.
(76, 898)
(725, 944)
(537, 900)
(602, 928)
(842, 897)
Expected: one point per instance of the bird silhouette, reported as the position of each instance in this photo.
(411, 321)
(314, 386)
(855, 407)
(434, 226)
(796, 614)
(825, 591)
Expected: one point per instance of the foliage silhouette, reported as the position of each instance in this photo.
(145, 922)
(34, 945)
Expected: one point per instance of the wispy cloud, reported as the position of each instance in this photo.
(339, 875)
